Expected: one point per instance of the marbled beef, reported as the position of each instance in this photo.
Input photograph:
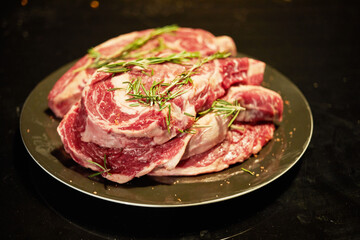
(68, 88)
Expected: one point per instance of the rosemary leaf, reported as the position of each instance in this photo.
(104, 168)
(191, 131)
(134, 104)
(248, 171)
(95, 174)
(95, 163)
(201, 126)
(168, 117)
(113, 89)
(237, 127)
(188, 114)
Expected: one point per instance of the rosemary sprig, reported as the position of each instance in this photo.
(161, 46)
(222, 107)
(104, 168)
(100, 61)
(185, 77)
(124, 66)
(139, 42)
(137, 92)
(152, 96)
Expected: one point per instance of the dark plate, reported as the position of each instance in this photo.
(38, 131)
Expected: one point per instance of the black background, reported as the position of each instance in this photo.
(314, 43)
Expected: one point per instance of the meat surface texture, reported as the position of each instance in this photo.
(129, 162)
(112, 122)
(123, 163)
(261, 105)
(237, 146)
(68, 88)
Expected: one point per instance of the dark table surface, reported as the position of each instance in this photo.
(313, 43)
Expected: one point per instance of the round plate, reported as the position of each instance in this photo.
(292, 136)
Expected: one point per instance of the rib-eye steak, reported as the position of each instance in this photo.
(113, 122)
(237, 146)
(152, 42)
(123, 163)
(261, 105)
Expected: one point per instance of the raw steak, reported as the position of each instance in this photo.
(123, 163)
(67, 89)
(261, 105)
(238, 146)
(112, 122)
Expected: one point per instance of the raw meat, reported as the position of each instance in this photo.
(137, 121)
(261, 105)
(238, 146)
(207, 137)
(123, 163)
(68, 88)
(111, 122)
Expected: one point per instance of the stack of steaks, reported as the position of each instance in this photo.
(165, 101)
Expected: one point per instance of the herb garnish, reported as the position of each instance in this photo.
(124, 66)
(237, 127)
(100, 61)
(248, 171)
(154, 95)
(222, 107)
(201, 126)
(188, 114)
(185, 77)
(104, 168)
(191, 131)
(159, 48)
(139, 42)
